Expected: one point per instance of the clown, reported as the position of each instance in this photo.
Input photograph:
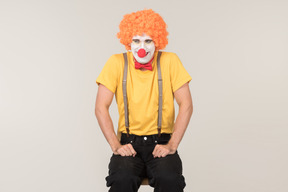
(145, 82)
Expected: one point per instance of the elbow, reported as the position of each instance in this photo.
(96, 112)
(190, 109)
(99, 110)
(187, 108)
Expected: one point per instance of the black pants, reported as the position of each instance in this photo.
(126, 173)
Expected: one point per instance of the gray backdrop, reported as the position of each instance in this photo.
(51, 53)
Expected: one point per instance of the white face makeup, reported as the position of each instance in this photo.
(142, 42)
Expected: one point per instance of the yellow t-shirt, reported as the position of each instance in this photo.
(142, 91)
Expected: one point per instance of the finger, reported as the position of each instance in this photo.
(158, 151)
(124, 151)
(155, 150)
(127, 150)
(132, 150)
(121, 152)
(164, 154)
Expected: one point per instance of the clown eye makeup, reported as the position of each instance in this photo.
(136, 41)
(148, 41)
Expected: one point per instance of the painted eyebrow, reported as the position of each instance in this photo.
(144, 40)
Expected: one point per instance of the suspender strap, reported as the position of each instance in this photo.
(124, 85)
(160, 93)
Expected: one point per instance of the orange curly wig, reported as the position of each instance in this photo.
(145, 21)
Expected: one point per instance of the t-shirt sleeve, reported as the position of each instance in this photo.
(179, 75)
(110, 74)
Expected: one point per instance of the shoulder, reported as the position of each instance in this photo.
(169, 56)
(116, 57)
(115, 61)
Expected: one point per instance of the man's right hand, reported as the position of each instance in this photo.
(125, 150)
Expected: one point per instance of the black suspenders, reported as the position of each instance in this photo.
(124, 85)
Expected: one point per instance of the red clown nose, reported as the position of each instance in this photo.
(141, 53)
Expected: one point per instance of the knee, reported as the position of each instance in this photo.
(123, 179)
(170, 180)
(127, 178)
(166, 178)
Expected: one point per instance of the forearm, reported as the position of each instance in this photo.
(180, 125)
(107, 128)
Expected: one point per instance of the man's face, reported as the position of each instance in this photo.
(142, 48)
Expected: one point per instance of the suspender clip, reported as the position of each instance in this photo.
(127, 130)
(159, 131)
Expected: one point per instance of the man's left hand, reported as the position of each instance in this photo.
(163, 150)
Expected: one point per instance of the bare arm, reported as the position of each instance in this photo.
(103, 101)
(184, 100)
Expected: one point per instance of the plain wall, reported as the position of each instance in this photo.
(51, 53)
